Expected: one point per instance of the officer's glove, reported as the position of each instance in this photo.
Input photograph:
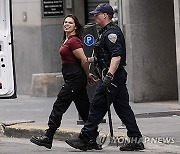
(107, 80)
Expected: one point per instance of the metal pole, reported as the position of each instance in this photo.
(120, 24)
(120, 14)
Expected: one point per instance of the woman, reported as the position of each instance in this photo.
(75, 70)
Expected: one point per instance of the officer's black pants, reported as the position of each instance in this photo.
(74, 89)
(120, 98)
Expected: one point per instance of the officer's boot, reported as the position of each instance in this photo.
(135, 144)
(93, 143)
(81, 142)
(45, 140)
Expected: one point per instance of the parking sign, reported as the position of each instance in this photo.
(89, 40)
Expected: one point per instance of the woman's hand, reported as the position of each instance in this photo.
(92, 79)
(90, 59)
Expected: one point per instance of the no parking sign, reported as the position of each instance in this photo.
(89, 40)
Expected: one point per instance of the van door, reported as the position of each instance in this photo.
(7, 68)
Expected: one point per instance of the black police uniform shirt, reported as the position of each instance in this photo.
(113, 42)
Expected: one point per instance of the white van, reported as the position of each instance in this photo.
(7, 69)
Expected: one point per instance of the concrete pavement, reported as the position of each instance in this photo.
(158, 121)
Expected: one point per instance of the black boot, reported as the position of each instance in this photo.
(80, 143)
(84, 142)
(45, 140)
(135, 144)
(132, 147)
(92, 144)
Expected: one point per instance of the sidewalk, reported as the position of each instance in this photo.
(160, 120)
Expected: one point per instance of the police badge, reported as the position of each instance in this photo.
(112, 38)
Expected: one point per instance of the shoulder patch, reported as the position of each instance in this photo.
(112, 37)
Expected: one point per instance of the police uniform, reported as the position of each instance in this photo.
(113, 44)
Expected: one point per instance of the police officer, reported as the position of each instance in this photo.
(111, 59)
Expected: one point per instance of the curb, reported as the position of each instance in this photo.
(27, 131)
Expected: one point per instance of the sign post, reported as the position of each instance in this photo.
(90, 36)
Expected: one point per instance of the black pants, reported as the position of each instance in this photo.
(75, 90)
(120, 98)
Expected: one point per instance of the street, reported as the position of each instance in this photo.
(157, 129)
(24, 146)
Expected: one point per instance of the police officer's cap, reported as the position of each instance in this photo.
(104, 8)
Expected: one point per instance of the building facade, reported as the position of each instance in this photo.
(152, 33)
